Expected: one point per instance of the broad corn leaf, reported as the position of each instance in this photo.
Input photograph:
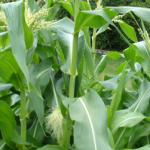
(90, 129)
(20, 36)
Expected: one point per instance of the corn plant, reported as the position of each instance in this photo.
(58, 93)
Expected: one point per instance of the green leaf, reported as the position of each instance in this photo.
(84, 6)
(142, 102)
(117, 96)
(4, 41)
(53, 11)
(128, 30)
(68, 7)
(7, 122)
(114, 55)
(94, 19)
(147, 147)
(143, 55)
(102, 29)
(37, 105)
(138, 52)
(65, 38)
(40, 73)
(90, 129)
(88, 62)
(4, 87)
(101, 65)
(110, 84)
(9, 67)
(126, 118)
(138, 133)
(130, 55)
(142, 50)
(2, 144)
(20, 36)
(51, 147)
(143, 13)
(33, 5)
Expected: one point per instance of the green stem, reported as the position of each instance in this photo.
(73, 69)
(98, 5)
(23, 116)
(73, 72)
(67, 133)
(72, 86)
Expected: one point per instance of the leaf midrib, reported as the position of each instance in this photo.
(90, 122)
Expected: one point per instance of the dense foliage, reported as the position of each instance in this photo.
(57, 92)
(106, 41)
